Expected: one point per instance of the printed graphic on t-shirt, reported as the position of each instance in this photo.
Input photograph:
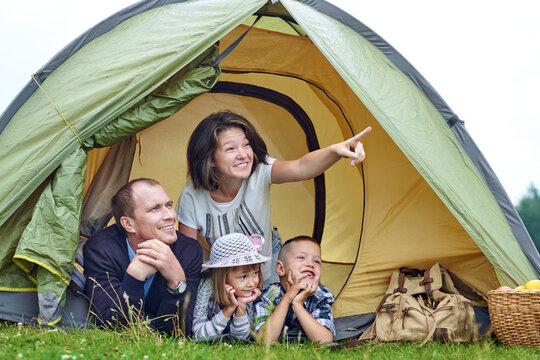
(239, 220)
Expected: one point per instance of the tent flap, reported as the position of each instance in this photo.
(46, 249)
(113, 172)
(156, 107)
(12, 277)
(47, 246)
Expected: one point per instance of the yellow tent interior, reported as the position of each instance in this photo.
(375, 218)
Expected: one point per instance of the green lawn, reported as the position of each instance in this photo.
(23, 342)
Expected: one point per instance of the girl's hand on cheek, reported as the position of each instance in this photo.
(244, 300)
(241, 308)
(255, 293)
(231, 294)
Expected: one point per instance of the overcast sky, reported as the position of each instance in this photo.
(482, 57)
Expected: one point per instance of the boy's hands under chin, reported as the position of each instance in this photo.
(309, 290)
(297, 286)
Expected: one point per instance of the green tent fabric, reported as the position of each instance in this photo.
(45, 250)
(148, 62)
(464, 193)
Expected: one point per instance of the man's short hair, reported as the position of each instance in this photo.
(287, 245)
(122, 203)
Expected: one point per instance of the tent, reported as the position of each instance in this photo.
(120, 102)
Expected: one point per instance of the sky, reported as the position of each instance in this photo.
(481, 56)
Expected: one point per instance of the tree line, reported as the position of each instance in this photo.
(529, 211)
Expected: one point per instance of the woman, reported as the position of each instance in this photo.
(230, 177)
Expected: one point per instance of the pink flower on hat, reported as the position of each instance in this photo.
(257, 241)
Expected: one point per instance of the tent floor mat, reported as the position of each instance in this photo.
(23, 307)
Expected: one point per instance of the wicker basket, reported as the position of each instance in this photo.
(515, 316)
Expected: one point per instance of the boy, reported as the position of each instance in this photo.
(301, 301)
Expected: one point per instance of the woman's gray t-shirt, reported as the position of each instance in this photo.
(248, 213)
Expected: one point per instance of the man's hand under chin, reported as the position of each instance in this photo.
(159, 255)
(139, 269)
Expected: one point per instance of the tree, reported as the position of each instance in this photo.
(529, 210)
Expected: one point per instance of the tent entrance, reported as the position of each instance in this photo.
(297, 208)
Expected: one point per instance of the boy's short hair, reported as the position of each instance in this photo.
(287, 245)
(219, 276)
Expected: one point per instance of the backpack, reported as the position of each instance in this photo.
(423, 306)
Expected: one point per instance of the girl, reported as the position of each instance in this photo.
(230, 177)
(224, 300)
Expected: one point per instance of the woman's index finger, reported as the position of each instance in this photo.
(362, 134)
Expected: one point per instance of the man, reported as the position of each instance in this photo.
(143, 261)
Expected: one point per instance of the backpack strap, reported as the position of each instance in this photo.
(409, 271)
(401, 289)
(401, 283)
(431, 326)
(465, 289)
(382, 302)
(427, 284)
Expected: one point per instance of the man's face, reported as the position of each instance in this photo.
(154, 215)
(303, 257)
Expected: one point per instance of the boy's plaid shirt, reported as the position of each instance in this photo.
(317, 305)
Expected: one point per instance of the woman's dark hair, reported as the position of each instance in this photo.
(203, 144)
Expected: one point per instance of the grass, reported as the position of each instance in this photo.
(25, 342)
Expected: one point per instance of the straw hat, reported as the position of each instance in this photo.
(236, 249)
